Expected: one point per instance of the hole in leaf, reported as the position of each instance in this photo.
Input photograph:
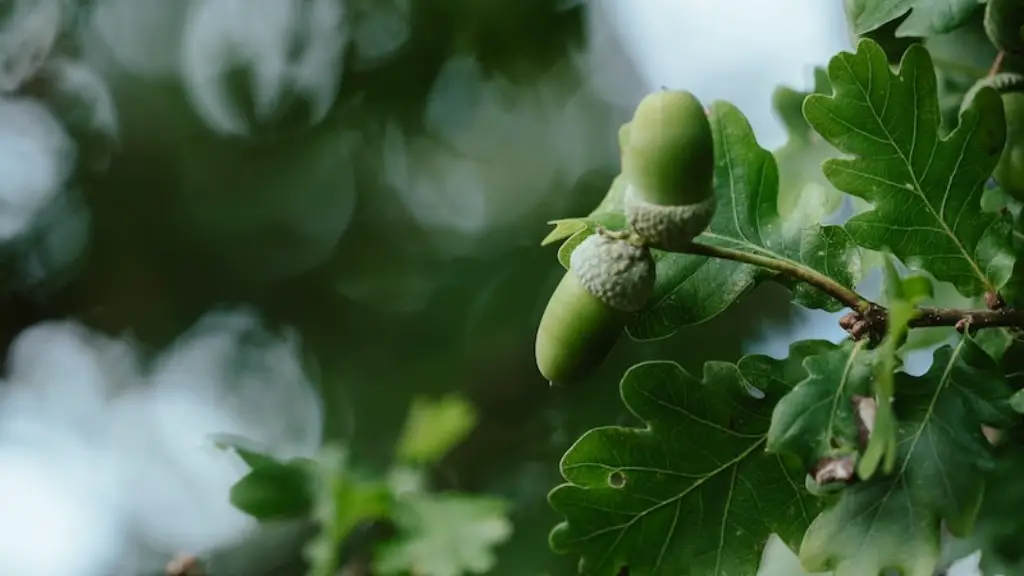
(616, 479)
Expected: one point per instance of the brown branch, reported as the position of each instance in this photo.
(791, 269)
(962, 319)
(867, 318)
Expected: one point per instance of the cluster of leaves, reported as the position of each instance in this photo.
(429, 533)
(855, 463)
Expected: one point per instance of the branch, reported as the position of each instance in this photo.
(868, 319)
(962, 319)
(827, 285)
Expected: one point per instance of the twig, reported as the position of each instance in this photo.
(867, 318)
(961, 318)
(791, 269)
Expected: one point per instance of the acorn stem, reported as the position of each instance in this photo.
(814, 278)
(997, 64)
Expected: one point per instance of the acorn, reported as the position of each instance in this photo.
(608, 279)
(623, 136)
(1009, 172)
(1004, 25)
(669, 162)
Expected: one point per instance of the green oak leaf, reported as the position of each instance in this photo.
(691, 289)
(609, 214)
(893, 521)
(563, 229)
(1012, 359)
(818, 418)
(801, 181)
(902, 295)
(998, 534)
(433, 427)
(444, 535)
(927, 17)
(273, 489)
(693, 493)
(925, 189)
(342, 501)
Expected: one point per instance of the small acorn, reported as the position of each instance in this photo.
(669, 162)
(1004, 22)
(608, 279)
(623, 136)
(1009, 173)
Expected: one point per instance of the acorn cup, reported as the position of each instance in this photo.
(608, 279)
(1009, 172)
(668, 157)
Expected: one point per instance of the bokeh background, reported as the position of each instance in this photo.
(286, 227)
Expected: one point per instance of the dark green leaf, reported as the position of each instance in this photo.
(1000, 529)
(901, 296)
(1011, 357)
(444, 535)
(275, 491)
(927, 17)
(691, 289)
(925, 189)
(693, 493)
(818, 418)
(894, 521)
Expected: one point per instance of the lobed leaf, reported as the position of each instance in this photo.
(925, 189)
(275, 490)
(692, 289)
(927, 17)
(894, 521)
(818, 418)
(999, 529)
(802, 184)
(444, 535)
(693, 493)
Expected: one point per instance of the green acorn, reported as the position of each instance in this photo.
(669, 161)
(1004, 24)
(1009, 173)
(608, 279)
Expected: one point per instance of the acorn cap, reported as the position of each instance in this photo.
(607, 279)
(669, 228)
(618, 273)
(669, 155)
